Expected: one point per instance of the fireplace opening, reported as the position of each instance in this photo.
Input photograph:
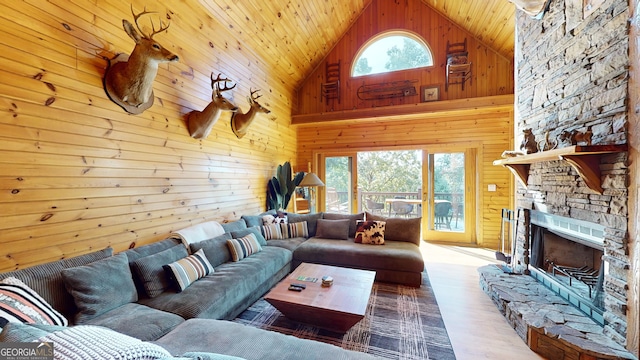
(567, 256)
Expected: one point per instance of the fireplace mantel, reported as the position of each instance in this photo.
(584, 159)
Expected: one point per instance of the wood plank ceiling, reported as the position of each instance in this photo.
(294, 36)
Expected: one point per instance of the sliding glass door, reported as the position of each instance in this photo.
(450, 195)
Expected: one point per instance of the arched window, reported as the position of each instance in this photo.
(391, 51)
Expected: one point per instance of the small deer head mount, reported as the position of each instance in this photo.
(240, 122)
(200, 123)
(128, 80)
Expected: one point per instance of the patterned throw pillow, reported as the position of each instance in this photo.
(370, 232)
(243, 247)
(270, 219)
(19, 303)
(187, 270)
(298, 229)
(275, 231)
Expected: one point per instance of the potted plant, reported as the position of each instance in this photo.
(281, 187)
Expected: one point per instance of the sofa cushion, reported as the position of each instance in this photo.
(400, 229)
(333, 229)
(153, 323)
(95, 342)
(394, 255)
(370, 232)
(234, 225)
(215, 249)
(311, 220)
(289, 244)
(255, 230)
(217, 295)
(100, 286)
(46, 279)
(223, 337)
(256, 220)
(352, 220)
(185, 271)
(150, 272)
(243, 247)
(150, 249)
(19, 303)
(19, 332)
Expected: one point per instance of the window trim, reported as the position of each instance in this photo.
(405, 33)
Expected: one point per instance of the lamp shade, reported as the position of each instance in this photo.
(311, 179)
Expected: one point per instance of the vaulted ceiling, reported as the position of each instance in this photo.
(298, 34)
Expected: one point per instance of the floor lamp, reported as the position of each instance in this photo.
(311, 181)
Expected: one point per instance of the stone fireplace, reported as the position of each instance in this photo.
(572, 74)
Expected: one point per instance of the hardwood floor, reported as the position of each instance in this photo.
(476, 328)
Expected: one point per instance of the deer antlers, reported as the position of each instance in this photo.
(214, 83)
(153, 29)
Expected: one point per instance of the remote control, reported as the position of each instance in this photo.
(303, 286)
(295, 288)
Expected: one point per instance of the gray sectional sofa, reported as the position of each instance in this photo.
(130, 293)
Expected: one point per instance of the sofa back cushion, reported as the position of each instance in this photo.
(100, 286)
(215, 249)
(234, 226)
(46, 279)
(351, 217)
(333, 229)
(400, 229)
(255, 230)
(311, 220)
(150, 273)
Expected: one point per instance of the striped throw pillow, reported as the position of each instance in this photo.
(243, 247)
(19, 303)
(189, 269)
(298, 229)
(275, 231)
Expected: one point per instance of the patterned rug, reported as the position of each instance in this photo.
(401, 323)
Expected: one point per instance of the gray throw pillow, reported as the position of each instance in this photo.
(100, 286)
(352, 218)
(311, 220)
(333, 229)
(149, 269)
(255, 230)
(215, 249)
(400, 229)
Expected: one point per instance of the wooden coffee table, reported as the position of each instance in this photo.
(336, 308)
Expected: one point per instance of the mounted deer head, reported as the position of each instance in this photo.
(200, 123)
(129, 79)
(240, 122)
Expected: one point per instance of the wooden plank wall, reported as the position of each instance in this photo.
(490, 133)
(79, 174)
(492, 73)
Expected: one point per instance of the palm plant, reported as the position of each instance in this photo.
(281, 187)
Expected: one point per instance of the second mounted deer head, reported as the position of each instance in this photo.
(240, 122)
(129, 79)
(200, 123)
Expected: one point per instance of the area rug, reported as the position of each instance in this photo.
(401, 323)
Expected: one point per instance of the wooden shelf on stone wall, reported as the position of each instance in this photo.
(584, 159)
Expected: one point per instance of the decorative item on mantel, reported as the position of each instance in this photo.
(387, 90)
(128, 80)
(529, 144)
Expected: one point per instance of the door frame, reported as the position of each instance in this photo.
(470, 234)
